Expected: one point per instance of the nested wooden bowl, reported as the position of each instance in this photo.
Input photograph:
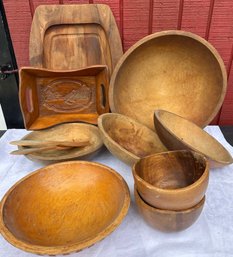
(127, 139)
(177, 133)
(64, 207)
(66, 132)
(173, 70)
(168, 220)
(173, 180)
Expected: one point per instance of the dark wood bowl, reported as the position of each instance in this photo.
(172, 70)
(172, 180)
(127, 139)
(177, 133)
(167, 220)
(64, 208)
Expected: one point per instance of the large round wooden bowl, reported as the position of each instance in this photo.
(171, 70)
(174, 180)
(178, 133)
(64, 207)
(168, 220)
(66, 132)
(127, 139)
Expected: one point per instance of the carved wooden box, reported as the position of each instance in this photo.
(49, 97)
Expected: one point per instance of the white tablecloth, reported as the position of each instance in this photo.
(211, 235)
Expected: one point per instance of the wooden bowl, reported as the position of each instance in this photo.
(127, 139)
(178, 133)
(168, 220)
(171, 70)
(67, 132)
(64, 207)
(172, 180)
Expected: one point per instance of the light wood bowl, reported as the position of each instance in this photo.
(172, 70)
(67, 132)
(64, 208)
(167, 220)
(127, 139)
(177, 133)
(173, 180)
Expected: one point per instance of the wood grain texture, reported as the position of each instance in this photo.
(168, 220)
(188, 136)
(226, 117)
(71, 132)
(127, 139)
(62, 36)
(136, 21)
(176, 81)
(19, 20)
(64, 221)
(195, 16)
(50, 97)
(165, 15)
(174, 180)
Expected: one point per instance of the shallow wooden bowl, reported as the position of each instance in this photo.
(174, 180)
(127, 139)
(178, 133)
(64, 207)
(168, 220)
(172, 70)
(67, 132)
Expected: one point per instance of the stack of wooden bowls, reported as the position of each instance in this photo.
(170, 188)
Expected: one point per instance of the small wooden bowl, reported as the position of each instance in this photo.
(172, 180)
(178, 133)
(64, 208)
(67, 132)
(127, 139)
(167, 220)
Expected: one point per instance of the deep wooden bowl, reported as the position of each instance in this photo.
(177, 132)
(64, 207)
(174, 180)
(127, 139)
(67, 132)
(171, 70)
(167, 220)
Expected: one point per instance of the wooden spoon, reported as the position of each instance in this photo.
(39, 149)
(38, 143)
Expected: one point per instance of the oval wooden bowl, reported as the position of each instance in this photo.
(173, 70)
(177, 132)
(64, 208)
(127, 139)
(167, 220)
(67, 132)
(172, 180)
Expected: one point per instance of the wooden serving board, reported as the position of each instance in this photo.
(49, 97)
(65, 37)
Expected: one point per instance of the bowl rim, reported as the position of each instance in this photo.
(158, 119)
(163, 211)
(124, 117)
(183, 33)
(89, 150)
(204, 176)
(75, 247)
